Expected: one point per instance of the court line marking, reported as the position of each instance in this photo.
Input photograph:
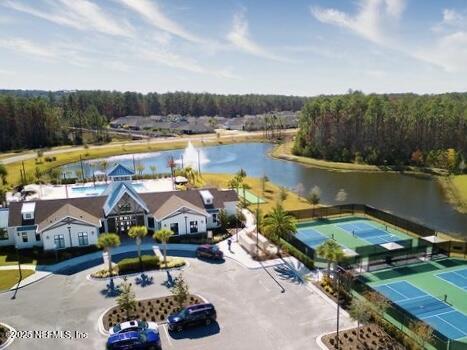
(450, 324)
(438, 275)
(431, 316)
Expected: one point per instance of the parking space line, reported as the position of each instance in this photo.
(167, 335)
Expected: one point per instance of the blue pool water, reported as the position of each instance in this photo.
(96, 190)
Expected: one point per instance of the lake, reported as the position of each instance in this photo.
(416, 198)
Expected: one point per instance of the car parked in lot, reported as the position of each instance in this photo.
(135, 325)
(147, 339)
(191, 316)
(209, 251)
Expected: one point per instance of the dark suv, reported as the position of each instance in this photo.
(147, 339)
(210, 252)
(193, 315)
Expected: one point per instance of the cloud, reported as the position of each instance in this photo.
(368, 22)
(153, 14)
(375, 22)
(449, 52)
(27, 47)
(78, 14)
(174, 60)
(239, 36)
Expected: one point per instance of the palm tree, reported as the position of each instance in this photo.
(138, 233)
(163, 235)
(140, 169)
(190, 174)
(241, 173)
(107, 241)
(3, 173)
(153, 170)
(278, 224)
(103, 165)
(331, 252)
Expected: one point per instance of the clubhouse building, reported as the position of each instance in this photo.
(77, 222)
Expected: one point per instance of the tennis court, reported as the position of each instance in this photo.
(437, 313)
(456, 277)
(251, 197)
(310, 237)
(369, 232)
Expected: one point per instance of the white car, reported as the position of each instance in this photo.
(133, 326)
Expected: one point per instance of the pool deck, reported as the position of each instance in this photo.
(66, 191)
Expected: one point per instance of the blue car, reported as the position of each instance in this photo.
(147, 339)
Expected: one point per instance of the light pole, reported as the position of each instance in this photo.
(338, 280)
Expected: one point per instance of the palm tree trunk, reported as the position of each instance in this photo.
(165, 254)
(138, 244)
(109, 256)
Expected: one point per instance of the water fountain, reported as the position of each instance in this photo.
(193, 157)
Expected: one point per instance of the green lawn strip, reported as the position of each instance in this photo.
(424, 277)
(8, 278)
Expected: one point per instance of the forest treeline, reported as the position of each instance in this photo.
(404, 129)
(35, 118)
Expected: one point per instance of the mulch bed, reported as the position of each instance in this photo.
(3, 335)
(151, 310)
(371, 338)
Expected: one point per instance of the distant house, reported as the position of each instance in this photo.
(77, 222)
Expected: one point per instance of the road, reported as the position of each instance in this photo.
(253, 313)
(12, 158)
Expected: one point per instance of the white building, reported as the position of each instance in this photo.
(77, 222)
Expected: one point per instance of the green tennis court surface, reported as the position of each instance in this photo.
(431, 291)
(365, 232)
(250, 197)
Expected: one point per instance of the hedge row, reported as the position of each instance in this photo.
(128, 265)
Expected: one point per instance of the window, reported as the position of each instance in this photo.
(3, 234)
(174, 228)
(151, 222)
(24, 236)
(59, 241)
(193, 226)
(83, 238)
(214, 218)
(38, 237)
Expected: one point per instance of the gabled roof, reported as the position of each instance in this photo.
(120, 170)
(175, 203)
(68, 211)
(115, 192)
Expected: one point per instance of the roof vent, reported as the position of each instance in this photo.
(207, 197)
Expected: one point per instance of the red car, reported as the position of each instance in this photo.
(209, 251)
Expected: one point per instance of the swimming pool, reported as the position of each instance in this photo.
(98, 189)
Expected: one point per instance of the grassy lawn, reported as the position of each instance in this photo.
(455, 189)
(70, 155)
(270, 195)
(8, 278)
(460, 184)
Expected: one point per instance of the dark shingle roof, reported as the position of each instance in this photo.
(94, 205)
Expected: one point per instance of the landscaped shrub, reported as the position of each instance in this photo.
(297, 254)
(104, 273)
(129, 265)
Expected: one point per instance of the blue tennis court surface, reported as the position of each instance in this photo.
(310, 237)
(369, 232)
(457, 278)
(438, 314)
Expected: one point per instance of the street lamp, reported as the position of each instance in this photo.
(338, 280)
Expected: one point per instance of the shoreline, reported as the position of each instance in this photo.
(63, 155)
(452, 192)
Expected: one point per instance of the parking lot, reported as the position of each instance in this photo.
(253, 312)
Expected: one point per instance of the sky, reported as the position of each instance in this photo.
(295, 47)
